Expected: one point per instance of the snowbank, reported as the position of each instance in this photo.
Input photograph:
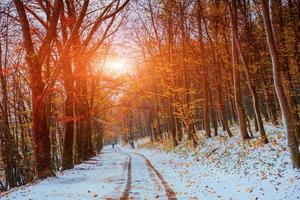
(227, 168)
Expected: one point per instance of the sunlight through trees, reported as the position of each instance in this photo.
(77, 75)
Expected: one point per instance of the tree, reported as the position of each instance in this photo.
(35, 60)
(288, 122)
(236, 74)
(237, 43)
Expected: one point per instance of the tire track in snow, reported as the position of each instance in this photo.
(125, 195)
(169, 191)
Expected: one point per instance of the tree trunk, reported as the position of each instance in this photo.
(204, 71)
(69, 121)
(6, 139)
(237, 43)
(42, 145)
(173, 130)
(213, 114)
(236, 78)
(288, 122)
(289, 82)
(222, 113)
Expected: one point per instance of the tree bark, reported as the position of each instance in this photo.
(69, 119)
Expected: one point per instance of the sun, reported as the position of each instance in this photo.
(117, 66)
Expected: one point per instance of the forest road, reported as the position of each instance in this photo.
(144, 181)
(114, 174)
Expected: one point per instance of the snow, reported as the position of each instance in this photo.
(221, 168)
(144, 184)
(225, 168)
(142, 141)
(102, 177)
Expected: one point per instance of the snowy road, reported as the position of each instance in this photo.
(111, 175)
(146, 181)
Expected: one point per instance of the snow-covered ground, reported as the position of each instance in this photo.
(225, 168)
(222, 168)
(102, 177)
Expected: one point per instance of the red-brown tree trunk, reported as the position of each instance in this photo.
(67, 162)
(42, 144)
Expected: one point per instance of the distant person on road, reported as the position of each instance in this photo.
(113, 146)
(132, 144)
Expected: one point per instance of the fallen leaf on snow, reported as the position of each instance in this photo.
(249, 190)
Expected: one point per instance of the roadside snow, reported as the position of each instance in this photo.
(102, 177)
(225, 168)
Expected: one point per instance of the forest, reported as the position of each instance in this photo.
(77, 75)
